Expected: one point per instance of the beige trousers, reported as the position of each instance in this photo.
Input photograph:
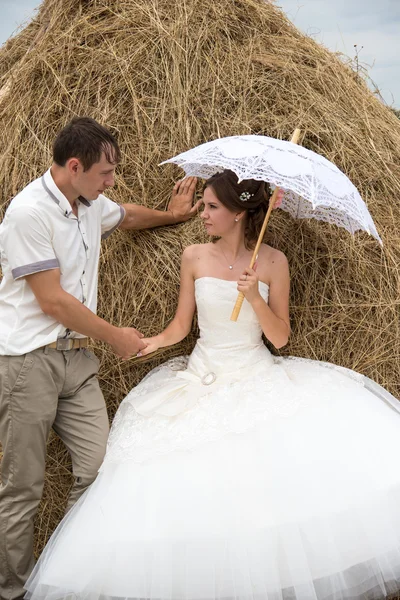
(39, 390)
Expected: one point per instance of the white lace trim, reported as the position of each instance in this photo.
(231, 408)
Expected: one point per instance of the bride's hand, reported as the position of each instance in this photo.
(248, 285)
(152, 344)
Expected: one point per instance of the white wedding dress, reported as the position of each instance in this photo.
(234, 475)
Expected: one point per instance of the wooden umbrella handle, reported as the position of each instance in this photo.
(240, 298)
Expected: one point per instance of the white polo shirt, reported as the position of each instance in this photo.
(40, 232)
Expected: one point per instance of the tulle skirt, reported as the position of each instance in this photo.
(297, 504)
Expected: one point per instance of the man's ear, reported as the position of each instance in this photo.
(73, 165)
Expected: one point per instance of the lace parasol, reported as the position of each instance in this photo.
(314, 187)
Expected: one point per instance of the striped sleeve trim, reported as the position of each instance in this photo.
(106, 234)
(37, 267)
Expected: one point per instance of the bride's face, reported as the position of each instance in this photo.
(218, 220)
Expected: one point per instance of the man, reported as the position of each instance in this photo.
(49, 246)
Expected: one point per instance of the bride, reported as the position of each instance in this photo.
(232, 474)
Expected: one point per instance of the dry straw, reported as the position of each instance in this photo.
(166, 75)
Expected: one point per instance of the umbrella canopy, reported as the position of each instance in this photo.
(314, 186)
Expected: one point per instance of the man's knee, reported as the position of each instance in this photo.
(83, 480)
(88, 472)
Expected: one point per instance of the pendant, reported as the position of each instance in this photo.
(230, 266)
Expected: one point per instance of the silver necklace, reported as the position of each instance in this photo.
(234, 263)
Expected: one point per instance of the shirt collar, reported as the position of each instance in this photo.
(58, 197)
(83, 204)
(83, 200)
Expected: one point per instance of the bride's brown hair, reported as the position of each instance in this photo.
(255, 199)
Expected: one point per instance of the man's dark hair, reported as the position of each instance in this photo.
(85, 139)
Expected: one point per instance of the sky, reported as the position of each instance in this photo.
(373, 25)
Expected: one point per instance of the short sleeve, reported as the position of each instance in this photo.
(27, 244)
(112, 215)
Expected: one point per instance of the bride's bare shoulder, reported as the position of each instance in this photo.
(196, 251)
(271, 255)
(272, 264)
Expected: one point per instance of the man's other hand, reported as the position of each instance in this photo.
(181, 204)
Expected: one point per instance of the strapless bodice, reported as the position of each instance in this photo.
(215, 300)
(225, 345)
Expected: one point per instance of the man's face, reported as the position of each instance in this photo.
(96, 180)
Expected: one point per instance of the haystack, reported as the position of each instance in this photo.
(166, 75)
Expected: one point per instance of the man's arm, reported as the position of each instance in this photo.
(66, 309)
(180, 209)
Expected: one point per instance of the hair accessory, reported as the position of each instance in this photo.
(244, 196)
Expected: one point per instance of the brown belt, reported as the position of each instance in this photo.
(64, 344)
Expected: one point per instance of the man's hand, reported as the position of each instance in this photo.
(181, 203)
(126, 342)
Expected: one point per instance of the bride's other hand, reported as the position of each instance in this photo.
(151, 345)
(248, 285)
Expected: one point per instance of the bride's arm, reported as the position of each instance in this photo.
(181, 324)
(274, 316)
